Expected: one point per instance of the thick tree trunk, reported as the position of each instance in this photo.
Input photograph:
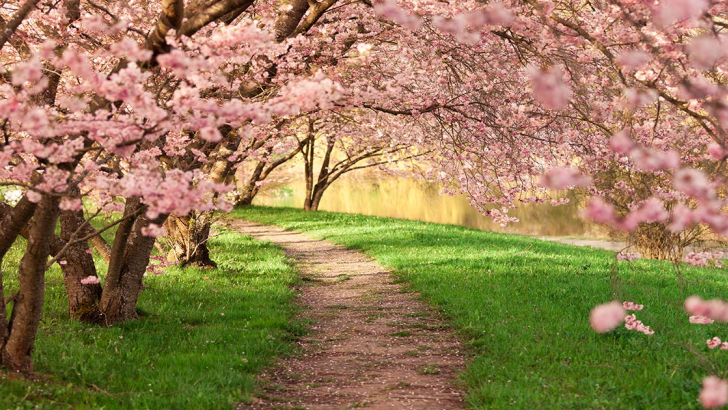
(124, 283)
(28, 302)
(12, 222)
(83, 299)
(188, 235)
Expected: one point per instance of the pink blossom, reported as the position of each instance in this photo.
(714, 342)
(650, 210)
(634, 58)
(693, 182)
(607, 316)
(621, 143)
(716, 152)
(549, 87)
(210, 134)
(564, 177)
(33, 196)
(681, 218)
(130, 50)
(679, 10)
(90, 280)
(631, 323)
(705, 51)
(391, 11)
(714, 393)
(70, 204)
(31, 70)
(701, 320)
(653, 160)
(703, 258)
(559, 202)
(599, 211)
(153, 230)
(714, 309)
(632, 306)
(637, 98)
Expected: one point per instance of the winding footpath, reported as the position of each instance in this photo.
(372, 344)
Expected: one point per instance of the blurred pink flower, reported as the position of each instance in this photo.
(607, 316)
(714, 393)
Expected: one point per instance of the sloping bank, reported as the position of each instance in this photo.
(523, 306)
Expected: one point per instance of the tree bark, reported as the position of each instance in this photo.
(12, 222)
(215, 11)
(15, 21)
(189, 235)
(28, 302)
(288, 20)
(83, 299)
(124, 283)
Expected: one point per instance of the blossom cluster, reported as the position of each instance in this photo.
(714, 309)
(607, 316)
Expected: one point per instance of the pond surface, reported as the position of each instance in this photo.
(418, 200)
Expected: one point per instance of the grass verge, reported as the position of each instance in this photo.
(203, 337)
(523, 306)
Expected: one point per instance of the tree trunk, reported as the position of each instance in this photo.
(12, 222)
(188, 236)
(316, 200)
(251, 186)
(83, 299)
(124, 283)
(28, 302)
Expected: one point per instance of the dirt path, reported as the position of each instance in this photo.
(372, 345)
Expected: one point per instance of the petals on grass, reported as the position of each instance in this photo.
(632, 306)
(714, 342)
(701, 320)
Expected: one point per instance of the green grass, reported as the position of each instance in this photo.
(203, 338)
(522, 305)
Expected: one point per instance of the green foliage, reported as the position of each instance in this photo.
(203, 337)
(523, 307)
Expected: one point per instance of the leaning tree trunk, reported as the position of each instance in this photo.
(188, 236)
(12, 222)
(78, 264)
(128, 263)
(316, 200)
(28, 301)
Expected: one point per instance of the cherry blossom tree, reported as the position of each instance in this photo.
(95, 110)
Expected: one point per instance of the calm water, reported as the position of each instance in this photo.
(412, 199)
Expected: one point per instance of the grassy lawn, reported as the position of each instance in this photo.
(523, 306)
(203, 338)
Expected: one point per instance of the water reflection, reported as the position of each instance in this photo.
(412, 199)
